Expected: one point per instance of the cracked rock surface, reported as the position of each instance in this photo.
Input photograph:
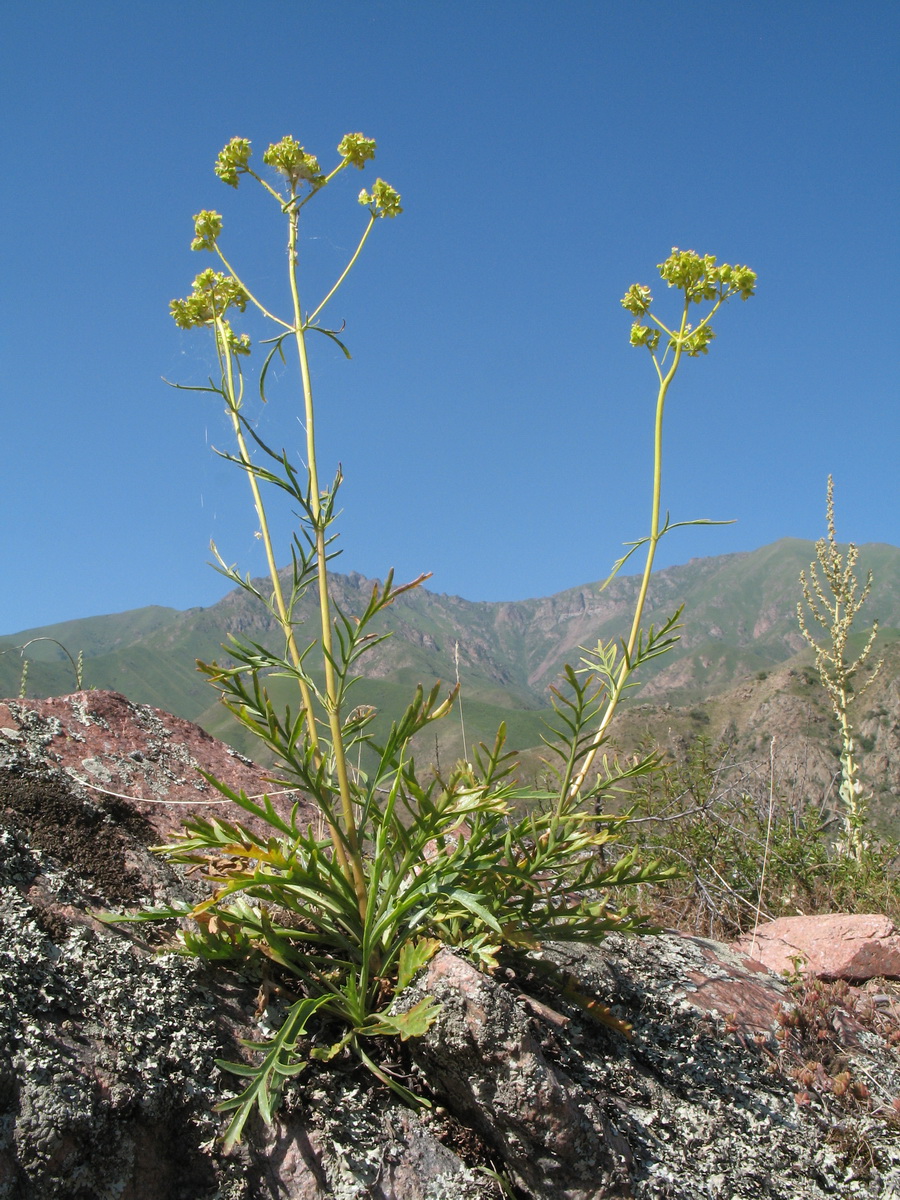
(691, 1105)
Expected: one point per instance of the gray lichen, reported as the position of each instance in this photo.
(97, 1036)
(708, 1115)
(108, 1047)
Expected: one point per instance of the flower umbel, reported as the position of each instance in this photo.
(233, 160)
(383, 202)
(290, 159)
(696, 342)
(643, 335)
(356, 149)
(637, 300)
(213, 294)
(700, 279)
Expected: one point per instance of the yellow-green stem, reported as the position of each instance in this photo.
(284, 620)
(331, 690)
(362, 241)
(652, 542)
(253, 300)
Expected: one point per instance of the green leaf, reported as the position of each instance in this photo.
(330, 334)
(413, 957)
(620, 562)
(276, 349)
(472, 905)
(410, 1099)
(412, 1023)
(327, 1053)
(144, 914)
(267, 1079)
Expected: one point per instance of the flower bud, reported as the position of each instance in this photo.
(637, 299)
(383, 201)
(207, 227)
(233, 160)
(356, 149)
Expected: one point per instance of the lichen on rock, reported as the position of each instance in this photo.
(109, 1041)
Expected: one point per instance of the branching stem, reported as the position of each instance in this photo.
(233, 391)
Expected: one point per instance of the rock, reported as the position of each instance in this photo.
(120, 750)
(109, 1042)
(490, 1067)
(833, 946)
(695, 1103)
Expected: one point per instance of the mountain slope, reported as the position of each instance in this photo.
(739, 621)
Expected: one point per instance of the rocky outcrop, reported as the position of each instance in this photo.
(120, 751)
(108, 1040)
(646, 1068)
(832, 946)
(696, 1101)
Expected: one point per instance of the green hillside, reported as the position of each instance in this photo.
(739, 623)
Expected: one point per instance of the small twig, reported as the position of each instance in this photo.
(737, 895)
(765, 862)
(677, 816)
(194, 803)
(887, 1095)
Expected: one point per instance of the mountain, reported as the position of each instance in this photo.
(739, 631)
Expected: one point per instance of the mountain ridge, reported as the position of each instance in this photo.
(742, 602)
(739, 626)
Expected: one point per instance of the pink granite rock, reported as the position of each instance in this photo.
(833, 946)
(125, 751)
(493, 1068)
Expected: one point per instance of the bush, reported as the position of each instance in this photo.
(721, 822)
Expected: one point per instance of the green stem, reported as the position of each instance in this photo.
(253, 300)
(332, 696)
(272, 191)
(234, 405)
(652, 542)
(345, 273)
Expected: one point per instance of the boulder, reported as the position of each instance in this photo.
(656, 1067)
(833, 946)
(119, 750)
(697, 1099)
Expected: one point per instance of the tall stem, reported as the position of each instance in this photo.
(332, 696)
(277, 590)
(652, 542)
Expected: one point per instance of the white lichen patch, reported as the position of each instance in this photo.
(374, 1147)
(32, 739)
(96, 1037)
(78, 706)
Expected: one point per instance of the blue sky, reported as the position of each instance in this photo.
(494, 425)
